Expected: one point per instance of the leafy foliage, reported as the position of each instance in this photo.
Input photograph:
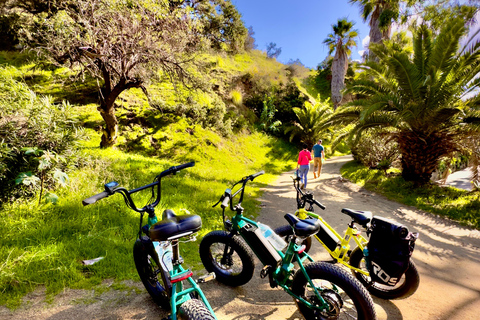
(32, 123)
(267, 117)
(309, 126)
(418, 97)
(376, 150)
(273, 51)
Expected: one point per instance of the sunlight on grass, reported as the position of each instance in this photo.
(460, 205)
(45, 245)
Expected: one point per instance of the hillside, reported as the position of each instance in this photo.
(44, 241)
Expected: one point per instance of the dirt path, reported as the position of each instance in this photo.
(447, 257)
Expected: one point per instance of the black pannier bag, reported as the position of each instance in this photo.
(389, 250)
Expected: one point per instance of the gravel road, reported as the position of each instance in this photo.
(447, 256)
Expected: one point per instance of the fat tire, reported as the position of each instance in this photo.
(145, 268)
(341, 279)
(406, 286)
(211, 260)
(194, 309)
(286, 232)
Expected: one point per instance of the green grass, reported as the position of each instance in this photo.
(456, 204)
(44, 245)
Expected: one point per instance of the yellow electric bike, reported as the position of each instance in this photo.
(382, 263)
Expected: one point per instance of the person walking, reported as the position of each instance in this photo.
(303, 165)
(318, 156)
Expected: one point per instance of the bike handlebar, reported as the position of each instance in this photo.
(175, 169)
(95, 198)
(111, 188)
(308, 198)
(227, 196)
(321, 206)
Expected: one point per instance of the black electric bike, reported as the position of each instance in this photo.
(320, 290)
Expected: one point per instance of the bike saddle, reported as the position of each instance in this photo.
(303, 228)
(360, 217)
(173, 227)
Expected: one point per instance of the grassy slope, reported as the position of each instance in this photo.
(456, 204)
(45, 245)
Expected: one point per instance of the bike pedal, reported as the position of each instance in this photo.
(206, 277)
(265, 271)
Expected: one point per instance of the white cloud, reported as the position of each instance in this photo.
(366, 42)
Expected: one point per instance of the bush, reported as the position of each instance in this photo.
(376, 150)
(29, 121)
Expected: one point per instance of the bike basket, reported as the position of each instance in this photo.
(389, 250)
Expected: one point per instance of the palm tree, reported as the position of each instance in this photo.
(420, 98)
(310, 120)
(380, 14)
(341, 41)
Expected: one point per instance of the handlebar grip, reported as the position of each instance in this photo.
(175, 169)
(226, 198)
(183, 166)
(95, 198)
(321, 206)
(253, 176)
(225, 201)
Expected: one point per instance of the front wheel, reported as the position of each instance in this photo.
(228, 256)
(194, 309)
(345, 296)
(147, 270)
(286, 232)
(405, 287)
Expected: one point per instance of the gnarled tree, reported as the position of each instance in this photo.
(120, 43)
(124, 43)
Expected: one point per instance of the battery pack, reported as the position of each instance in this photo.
(263, 249)
(327, 237)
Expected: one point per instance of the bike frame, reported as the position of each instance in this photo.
(172, 279)
(341, 251)
(281, 275)
(173, 282)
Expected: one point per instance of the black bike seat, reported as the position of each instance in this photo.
(360, 217)
(303, 228)
(174, 227)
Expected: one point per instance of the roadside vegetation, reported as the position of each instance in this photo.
(452, 203)
(81, 105)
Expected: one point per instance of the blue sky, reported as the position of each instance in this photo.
(299, 27)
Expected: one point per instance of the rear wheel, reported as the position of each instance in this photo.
(229, 257)
(405, 287)
(147, 270)
(286, 232)
(345, 296)
(194, 309)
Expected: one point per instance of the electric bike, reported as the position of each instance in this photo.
(320, 290)
(382, 263)
(156, 252)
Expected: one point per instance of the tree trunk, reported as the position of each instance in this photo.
(339, 70)
(421, 153)
(110, 131)
(375, 32)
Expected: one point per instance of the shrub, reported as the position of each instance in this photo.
(29, 121)
(375, 150)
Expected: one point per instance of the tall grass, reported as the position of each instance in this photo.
(45, 245)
